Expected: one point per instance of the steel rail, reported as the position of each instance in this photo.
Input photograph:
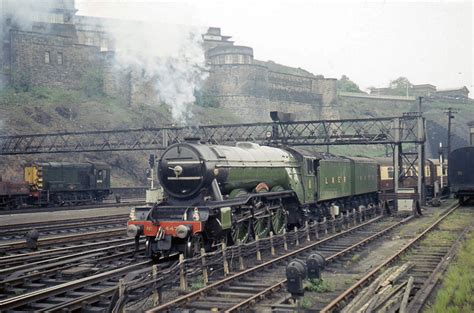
(12, 234)
(66, 222)
(329, 259)
(65, 287)
(7, 246)
(78, 303)
(335, 304)
(197, 293)
(35, 268)
(51, 252)
(70, 208)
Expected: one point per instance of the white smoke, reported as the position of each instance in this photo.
(24, 13)
(170, 56)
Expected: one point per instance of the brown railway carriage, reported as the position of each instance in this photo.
(433, 174)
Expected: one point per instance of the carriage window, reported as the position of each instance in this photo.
(427, 171)
(99, 173)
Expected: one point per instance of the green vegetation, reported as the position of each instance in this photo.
(205, 99)
(305, 303)
(197, 284)
(318, 285)
(92, 83)
(457, 290)
(22, 81)
(399, 86)
(346, 85)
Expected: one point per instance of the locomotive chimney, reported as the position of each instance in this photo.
(195, 140)
(471, 133)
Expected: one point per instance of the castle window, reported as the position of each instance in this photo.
(46, 57)
(228, 59)
(221, 59)
(60, 58)
(235, 59)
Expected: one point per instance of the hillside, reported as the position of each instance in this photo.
(46, 110)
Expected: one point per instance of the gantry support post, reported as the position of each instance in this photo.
(421, 160)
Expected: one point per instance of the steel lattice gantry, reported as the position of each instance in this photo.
(406, 134)
(327, 132)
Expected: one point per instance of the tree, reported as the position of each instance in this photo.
(347, 85)
(400, 85)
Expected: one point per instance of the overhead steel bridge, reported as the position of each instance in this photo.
(391, 130)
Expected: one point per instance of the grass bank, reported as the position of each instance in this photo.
(457, 290)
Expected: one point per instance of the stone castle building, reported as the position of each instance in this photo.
(254, 87)
(48, 44)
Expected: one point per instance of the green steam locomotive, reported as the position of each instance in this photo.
(215, 193)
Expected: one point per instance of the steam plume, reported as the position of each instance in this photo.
(169, 55)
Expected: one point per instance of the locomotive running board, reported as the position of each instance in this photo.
(238, 201)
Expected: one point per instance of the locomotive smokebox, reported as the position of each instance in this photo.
(184, 168)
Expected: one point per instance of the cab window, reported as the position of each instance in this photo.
(309, 166)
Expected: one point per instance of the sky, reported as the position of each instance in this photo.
(371, 42)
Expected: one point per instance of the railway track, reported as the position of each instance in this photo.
(53, 271)
(75, 294)
(429, 252)
(45, 246)
(25, 259)
(127, 202)
(67, 292)
(242, 289)
(57, 227)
